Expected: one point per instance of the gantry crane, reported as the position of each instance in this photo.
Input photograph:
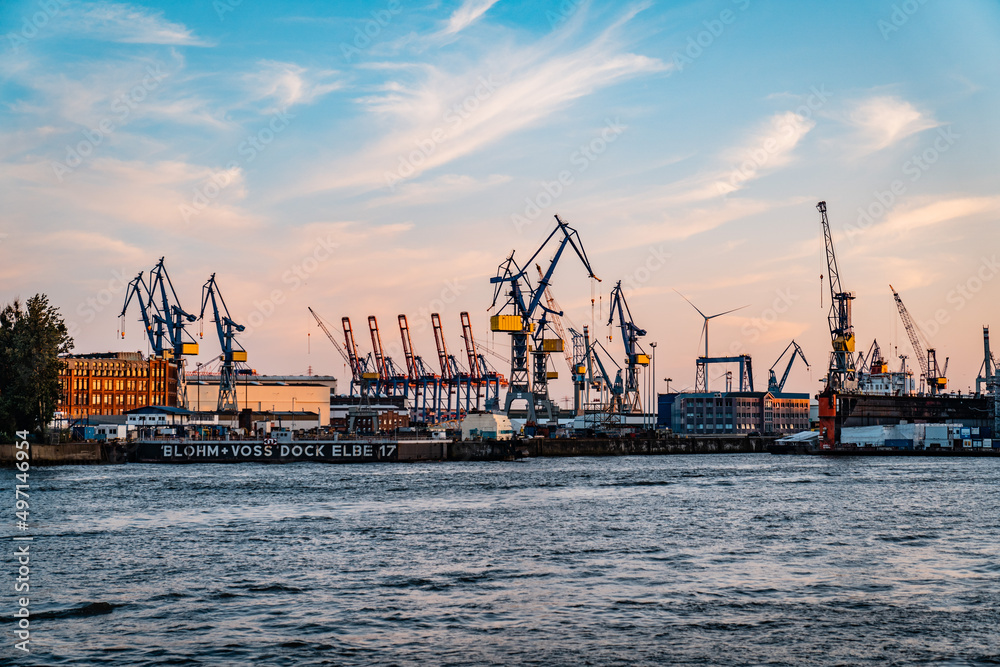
(988, 375)
(523, 301)
(935, 377)
(773, 384)
(842, 375)
(426, 383)
(232, 352)
(631, 400)
(362, 377)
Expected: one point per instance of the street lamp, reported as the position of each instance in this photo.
(667, 380)
(655, 397)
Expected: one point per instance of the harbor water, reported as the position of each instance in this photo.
(744, 559)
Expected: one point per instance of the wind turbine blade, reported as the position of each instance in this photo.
(727, 312)
(692, 305)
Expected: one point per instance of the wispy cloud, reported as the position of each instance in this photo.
(882, 121)
(448, 115)
(467, 14)
(125, 23)
(287, 84)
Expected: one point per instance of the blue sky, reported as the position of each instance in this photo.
(384, 158)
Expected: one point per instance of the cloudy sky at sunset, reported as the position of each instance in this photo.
(383, 158)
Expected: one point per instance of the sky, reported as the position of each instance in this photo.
(385, 157)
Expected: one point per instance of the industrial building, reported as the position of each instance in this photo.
(111, 383)
(734, 413)
(262, 393)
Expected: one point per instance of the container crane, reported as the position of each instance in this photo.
(232, 352)
(427, 385)
(523, 301)
(773, 385)
(926, 356)
(359, 367)
(634, 356)
(842, 375)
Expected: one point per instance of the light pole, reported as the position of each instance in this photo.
(655, 397)
(667, 380)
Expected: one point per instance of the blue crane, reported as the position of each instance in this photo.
(634, 356)
(232, 352)
(524, 300)
(137, 288)
(773, 385)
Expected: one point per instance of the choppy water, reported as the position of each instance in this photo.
(714, 560)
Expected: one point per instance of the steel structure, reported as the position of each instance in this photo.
(631, 399)
(165, 321)
(988, 372)
(926, 356)
(232, 352)
(842, 375)
(776, 386)
(523, 301)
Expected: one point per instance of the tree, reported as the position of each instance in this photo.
(32, 337)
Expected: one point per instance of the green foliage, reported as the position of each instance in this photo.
(32, 336)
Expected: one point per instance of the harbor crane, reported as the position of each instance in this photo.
(523, 301)
(165, 322)
(338, 346)
(989, 374)
(842, 375)
(631, 400)
(138, 289)
(232, 352)
(773, 384)
(934, 376)
(557, 325)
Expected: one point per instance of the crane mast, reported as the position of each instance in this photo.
(926, 356)
(232, 351)
(842, 375)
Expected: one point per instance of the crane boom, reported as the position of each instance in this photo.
(773, 385)
(380, 364)
(926, 356)
(470, 347)
(137, 288)
(411, 362)
(329, 335)
(442, 347)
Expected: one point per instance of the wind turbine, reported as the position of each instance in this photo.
(704, 328)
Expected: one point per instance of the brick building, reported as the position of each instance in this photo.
(111, 383)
